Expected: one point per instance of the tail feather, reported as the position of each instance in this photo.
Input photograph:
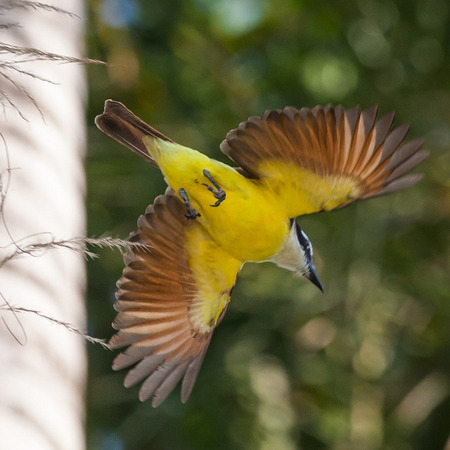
(121, 124)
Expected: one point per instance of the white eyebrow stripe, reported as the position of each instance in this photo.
(308, 246)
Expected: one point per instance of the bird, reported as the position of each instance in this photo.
(193, 240)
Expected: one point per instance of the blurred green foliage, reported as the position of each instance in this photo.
(365, 365)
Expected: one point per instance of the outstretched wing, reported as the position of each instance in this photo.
(323, 158)
(170, 298)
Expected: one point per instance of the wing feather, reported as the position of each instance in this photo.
(191, 375)
(325, 157)
(169, 300)
(148, 364)
(169, 382)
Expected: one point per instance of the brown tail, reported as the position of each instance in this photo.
(121, 124)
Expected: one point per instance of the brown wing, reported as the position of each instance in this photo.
(118, 122)
(325, 157)
(170, 298)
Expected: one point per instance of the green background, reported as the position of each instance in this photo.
(364, 365)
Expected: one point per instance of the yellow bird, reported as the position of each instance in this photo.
(213, 218)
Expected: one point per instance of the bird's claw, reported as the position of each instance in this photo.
(217, 191)
(191, 212)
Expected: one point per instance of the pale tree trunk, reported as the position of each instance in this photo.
(42, 364)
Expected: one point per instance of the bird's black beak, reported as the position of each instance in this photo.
(312, 276)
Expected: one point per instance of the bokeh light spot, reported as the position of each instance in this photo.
(369, 43)
(328, 76)
(119, 13)
(234, 17)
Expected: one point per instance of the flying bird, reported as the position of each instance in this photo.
(213, 218)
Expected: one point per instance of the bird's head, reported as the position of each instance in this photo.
(296, 254)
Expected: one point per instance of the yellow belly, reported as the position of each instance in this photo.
(249, 224)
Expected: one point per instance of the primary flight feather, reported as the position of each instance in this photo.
(213, 218)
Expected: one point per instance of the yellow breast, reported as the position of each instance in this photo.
(247, 224)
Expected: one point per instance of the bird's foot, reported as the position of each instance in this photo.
(218, 192)
(191, 212)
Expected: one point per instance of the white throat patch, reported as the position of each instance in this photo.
(291, 255)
